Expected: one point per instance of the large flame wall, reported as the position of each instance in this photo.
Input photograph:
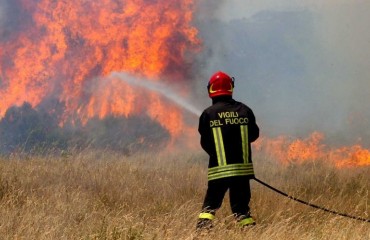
(63, 49)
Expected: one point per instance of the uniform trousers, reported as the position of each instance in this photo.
(239, 193)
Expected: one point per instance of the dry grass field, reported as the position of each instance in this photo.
(103, 195)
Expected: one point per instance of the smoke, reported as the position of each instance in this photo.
(12, 18)
(3, 10)
(2, 14)
(302, 66)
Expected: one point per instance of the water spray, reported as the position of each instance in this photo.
(158, 88)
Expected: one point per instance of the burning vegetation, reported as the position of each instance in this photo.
(27, 130)
(55, 57)
(313, 148)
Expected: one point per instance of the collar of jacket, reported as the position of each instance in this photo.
(221, 99)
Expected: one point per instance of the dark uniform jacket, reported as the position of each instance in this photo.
(227, 129)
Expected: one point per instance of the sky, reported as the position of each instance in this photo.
(302, 66)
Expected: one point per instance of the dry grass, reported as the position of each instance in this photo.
(107, 196)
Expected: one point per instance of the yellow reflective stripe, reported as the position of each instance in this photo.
(219, 143)
(244, 134)
(242, 171)
(215, 136)
(247, 221)
(230, 174)
(222, 147)
(209, 216)
(230, 171)
(230, 167)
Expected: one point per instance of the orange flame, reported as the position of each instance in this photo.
(312, 148)
(67, 46)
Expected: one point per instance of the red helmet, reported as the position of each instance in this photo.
(220, 84)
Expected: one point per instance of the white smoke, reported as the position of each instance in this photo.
(2, 15)
(301, 65)
(232, 9)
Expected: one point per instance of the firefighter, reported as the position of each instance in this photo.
(227, 129)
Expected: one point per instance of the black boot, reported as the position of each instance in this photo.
(204, 224)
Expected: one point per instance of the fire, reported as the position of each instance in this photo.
(351, 156)
(312, 148)
(64, 49)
